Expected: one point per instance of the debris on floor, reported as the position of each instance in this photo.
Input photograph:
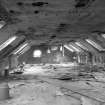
(41, 85)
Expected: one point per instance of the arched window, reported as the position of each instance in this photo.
(37, 53)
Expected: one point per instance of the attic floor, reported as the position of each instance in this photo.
(48, 86)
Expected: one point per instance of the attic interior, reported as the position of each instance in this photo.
(52, 52)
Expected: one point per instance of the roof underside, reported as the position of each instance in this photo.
(53, 21)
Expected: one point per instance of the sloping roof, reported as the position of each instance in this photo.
(53, 21)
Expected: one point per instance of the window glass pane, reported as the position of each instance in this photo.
(82, 46)
(76, 49)
(6, 43)
(37, 53)
(70, 49)
(20, 48)
(94, 44)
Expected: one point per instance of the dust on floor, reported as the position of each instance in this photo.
(33, 92)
